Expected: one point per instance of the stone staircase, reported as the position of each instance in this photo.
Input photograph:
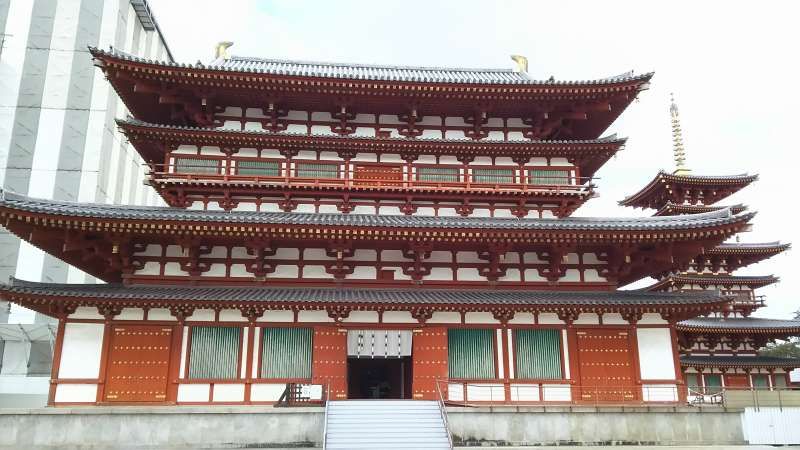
(385, 424)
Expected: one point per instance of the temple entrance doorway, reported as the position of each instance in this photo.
(379, 364)
(379, 378)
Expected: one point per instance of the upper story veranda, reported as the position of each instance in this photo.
(244, 133)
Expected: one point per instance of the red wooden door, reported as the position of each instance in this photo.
(138, 364)
(429, 362)
(378, 175)
(329, 361)
(737, 381)
(606, 366)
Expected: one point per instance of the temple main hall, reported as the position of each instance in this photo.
(392, 232)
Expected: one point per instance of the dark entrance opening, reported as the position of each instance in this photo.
(369, 378)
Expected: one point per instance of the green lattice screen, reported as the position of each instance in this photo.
(214, 352)
(537, 354)
(286, 352)
(494, 176)
(196, 165)
(470, 353)
(258, 168)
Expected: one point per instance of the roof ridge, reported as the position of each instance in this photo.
(371, 65)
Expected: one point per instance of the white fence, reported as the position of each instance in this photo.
(771, 425)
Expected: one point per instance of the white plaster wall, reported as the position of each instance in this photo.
(80, 353)
(228, 392)
(193, 392)
(266, 392)
(655, 354)
(76, 393)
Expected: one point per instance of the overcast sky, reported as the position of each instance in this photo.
(733, 67)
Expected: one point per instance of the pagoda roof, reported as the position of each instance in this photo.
(671, 209)
(738, 255)
(152, 89)
(674, 188)
(40, 296)
(738, 361)
(683, 279)
(11, 203)
(148, 139)
(740, 325)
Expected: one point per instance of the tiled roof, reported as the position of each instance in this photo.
(312, 69)
(671, 209)
(18, 202)
(714, 280)
(656, 185)
(739, 325)
(739, 361)
(746, 247)
(361, 295)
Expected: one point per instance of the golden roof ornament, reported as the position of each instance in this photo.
(221, 50)
(679, 152)
(522, 63)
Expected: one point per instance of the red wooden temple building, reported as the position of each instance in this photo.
(374, 232)
(721, 349)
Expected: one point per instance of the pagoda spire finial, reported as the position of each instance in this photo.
(679, 152)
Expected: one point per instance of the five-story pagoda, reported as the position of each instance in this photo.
(720, 350)
(372, 230)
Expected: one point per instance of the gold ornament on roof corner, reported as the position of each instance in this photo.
(221, 50)
(678, 150)
(522, 63)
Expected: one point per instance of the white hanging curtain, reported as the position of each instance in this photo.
(378, 343)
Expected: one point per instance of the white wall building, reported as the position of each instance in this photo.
(58, 140)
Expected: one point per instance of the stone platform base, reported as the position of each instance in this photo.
(172, 427)
(225, 427)
(532, 426)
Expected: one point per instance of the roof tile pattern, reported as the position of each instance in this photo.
(361, 295)
(18, 202)
(739, 324)
(354, 71)
(739, 361)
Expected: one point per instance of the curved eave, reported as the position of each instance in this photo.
(713, 280)
(749, 249)
(651, 196)
(746, 326)
(738, 361)
(222, 72)
(31, 210)
(47, 297)
(148, 139)
(671, 209)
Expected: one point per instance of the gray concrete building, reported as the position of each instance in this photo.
(58, 140)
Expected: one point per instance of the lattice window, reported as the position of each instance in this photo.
(258, 168)
(286, 352)
(493, 176)
(761, 381)
(316, 170)
(470, 353)
(713, 383)
(197, 165)
(548, 177)
(438, 174)
(214, 352)
(537, 354)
